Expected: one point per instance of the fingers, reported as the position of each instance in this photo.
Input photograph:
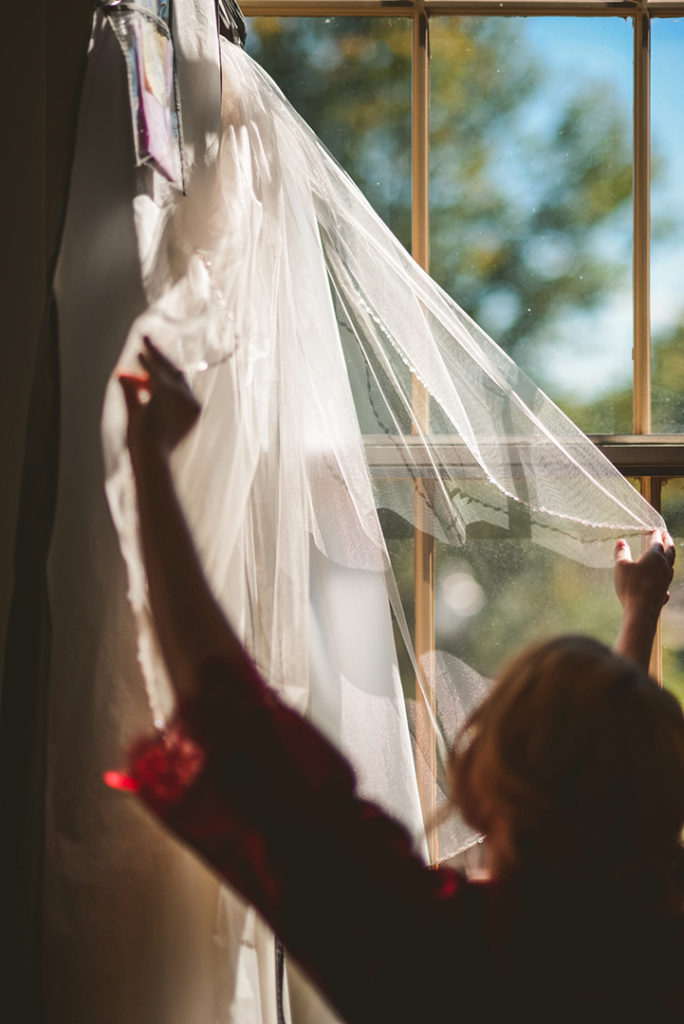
(643, 584)
(156, 363)
(135, 389)
(661, 543)
(669, 549)
(157, 370)
(622, 552)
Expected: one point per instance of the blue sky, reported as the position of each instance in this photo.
(599, 50)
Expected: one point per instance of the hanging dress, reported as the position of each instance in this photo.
(341, 389)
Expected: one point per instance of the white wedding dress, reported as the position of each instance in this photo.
(306, 331)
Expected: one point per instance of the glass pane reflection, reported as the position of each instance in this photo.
(500, 591)
(531, 177)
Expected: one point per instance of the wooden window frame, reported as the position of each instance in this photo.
(661, 455)
(652, 458)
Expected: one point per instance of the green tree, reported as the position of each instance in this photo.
(668, 381)
(530, 221)
(516, 257)
(667, 389)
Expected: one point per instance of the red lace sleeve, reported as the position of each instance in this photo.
(235, 771)
(162, 767)
(266, 801)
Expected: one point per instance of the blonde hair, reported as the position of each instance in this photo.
(577, 758)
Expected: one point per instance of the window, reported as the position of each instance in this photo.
(532, 163)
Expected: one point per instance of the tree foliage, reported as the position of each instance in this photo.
(523, 195)
(530, 224)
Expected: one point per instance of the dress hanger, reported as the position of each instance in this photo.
(231, 21)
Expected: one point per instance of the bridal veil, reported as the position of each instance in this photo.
(353, 417)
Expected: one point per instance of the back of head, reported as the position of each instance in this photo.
(575, 764)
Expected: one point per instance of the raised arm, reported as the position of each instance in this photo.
(642, 588)
(191, 627)
(258, 792)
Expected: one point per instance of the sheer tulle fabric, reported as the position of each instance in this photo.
(308, 431)
(316, 346)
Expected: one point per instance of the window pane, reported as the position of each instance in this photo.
(673, 614)
(494, 598)
(667, 225)
(500, 591)
(350, 79)
(531, 220)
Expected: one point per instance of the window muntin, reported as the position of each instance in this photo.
(652, 17)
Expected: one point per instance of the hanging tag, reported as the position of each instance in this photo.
(232, 21)
(143, 30)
